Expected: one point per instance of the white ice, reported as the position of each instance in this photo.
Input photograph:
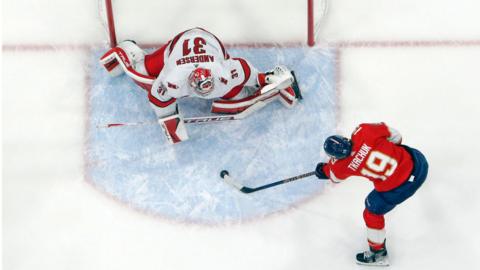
(53, 219)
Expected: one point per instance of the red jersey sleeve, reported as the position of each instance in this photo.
(335, 170)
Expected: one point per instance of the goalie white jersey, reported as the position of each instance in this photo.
(195, 63)
(198, 48)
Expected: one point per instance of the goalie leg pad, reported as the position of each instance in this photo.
(281, 76)
(237, 106)
(174, 128)
(288, 97)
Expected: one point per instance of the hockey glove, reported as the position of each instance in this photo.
(174, 128)
(319, 171)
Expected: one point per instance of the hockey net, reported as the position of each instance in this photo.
(241, 21)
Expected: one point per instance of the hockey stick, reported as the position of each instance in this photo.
(198, 120)
(229, 180)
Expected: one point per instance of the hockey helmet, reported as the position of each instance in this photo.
(337, 146)
(201, 80)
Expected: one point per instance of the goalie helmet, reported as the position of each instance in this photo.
(337, 146)
(201, 80)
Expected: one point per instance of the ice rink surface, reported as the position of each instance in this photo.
(138, 167)
(412, 64)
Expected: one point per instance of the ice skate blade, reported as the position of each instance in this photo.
(383, 263)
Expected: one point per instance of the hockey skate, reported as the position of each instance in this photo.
(373, 257)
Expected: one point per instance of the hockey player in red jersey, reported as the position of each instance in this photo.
(195, 63)
(397, 171)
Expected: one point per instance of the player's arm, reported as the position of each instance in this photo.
(238, 74)
(324, 171)
(378, 130)
(319, 172)
(395, 136)
(128, 58)
(244, 74)
(279, 80)
(244, 87)
(166, 109)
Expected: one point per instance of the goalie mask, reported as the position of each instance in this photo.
(201, 80)
(337, 146)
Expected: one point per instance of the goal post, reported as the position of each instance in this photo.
(110, 22)
(298, 19)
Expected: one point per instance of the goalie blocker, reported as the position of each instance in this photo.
(174, 128)
(128, 58)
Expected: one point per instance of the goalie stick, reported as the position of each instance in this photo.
(229, 180)
(197, 120)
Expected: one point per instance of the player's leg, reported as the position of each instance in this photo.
(406, 190)
(283, 79)
(231, 106)
(375, 209)
(154, 62)
(244, 95)
(378, 204)
(264, 87)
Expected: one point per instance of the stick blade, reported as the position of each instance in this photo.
(227, 179)
(247, 190)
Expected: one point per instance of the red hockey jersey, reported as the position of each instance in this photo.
(376, 156)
